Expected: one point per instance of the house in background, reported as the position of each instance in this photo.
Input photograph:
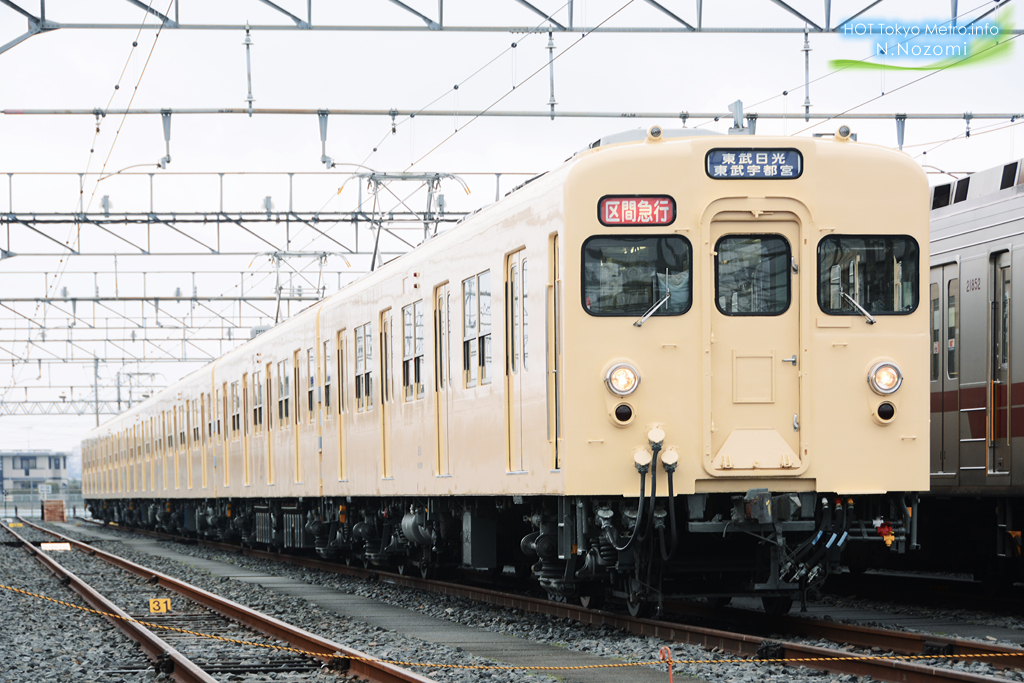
(21, 472)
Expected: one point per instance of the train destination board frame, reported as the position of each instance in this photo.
(636, 209)
(731, 163)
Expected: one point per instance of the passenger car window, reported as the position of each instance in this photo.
(879, 272)
(752, 275)
(626, 275)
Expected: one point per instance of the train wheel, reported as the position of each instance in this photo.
(636, 604)
(776, 605)
(638, 607)
(426, 571)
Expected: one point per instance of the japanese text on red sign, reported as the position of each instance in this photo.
(637, 210)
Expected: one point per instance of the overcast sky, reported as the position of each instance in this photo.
(368, 70)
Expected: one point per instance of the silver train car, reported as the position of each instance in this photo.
(973, 518)
(679, 364)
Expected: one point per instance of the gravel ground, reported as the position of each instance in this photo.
(43, 641)
(603, 641)
(1012, 622)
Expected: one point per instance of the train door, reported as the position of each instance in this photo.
(553, 320)
(755, 357)
(246, 446)
(442, 374)
(945, 374)
(514, 369)
(1000, 394)
(386, 340)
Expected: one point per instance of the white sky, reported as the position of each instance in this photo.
(348, 70)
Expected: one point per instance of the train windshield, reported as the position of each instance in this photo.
(880, 273)
(627, 275)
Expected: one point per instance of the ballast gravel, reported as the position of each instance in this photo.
(44, 641)
(604, 641)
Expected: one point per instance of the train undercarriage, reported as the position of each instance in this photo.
(586, 549)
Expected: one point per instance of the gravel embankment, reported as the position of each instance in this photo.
(43, 641)
(603, 641)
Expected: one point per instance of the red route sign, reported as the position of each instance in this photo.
(637, 210)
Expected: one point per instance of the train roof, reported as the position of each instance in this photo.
(979, 188)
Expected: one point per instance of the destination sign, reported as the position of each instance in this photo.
(771, 164)
(637, 210)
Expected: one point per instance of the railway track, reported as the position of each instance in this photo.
(887, 668)
(183, 647)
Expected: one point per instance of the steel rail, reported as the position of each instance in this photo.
(865, 637)
(896, 671)
(356, 662)
(155, 647)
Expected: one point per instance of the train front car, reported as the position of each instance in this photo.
(744, 363)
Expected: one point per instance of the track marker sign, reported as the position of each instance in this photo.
(159, 605)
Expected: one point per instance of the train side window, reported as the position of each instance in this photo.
(327, 378)
(257, 402)
(752, 275)
(484, 341)
(209, 418)
(476, 345)
(419, 346)
(235, 411)
(526, 328)
(284, 391)
(1004, 315)
(953, 327)
(181, 426)
(196, 424)
(513, 306)
(469, 346)
(412, 351)
(936, 331)
(364, 368)
(878, 272)
(270, 399)
(627, 275)
(311, 367)
(342, 350)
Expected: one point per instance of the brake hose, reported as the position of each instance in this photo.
(639, 512)
(671, 517)
(656, 448)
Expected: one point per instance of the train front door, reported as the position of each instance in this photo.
(755, 349)
(945, 376)
(1000, 394)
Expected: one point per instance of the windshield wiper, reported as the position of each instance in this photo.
(655, 307)
(867, 316)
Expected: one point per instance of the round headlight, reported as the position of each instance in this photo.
(622, 379)
(885, 378)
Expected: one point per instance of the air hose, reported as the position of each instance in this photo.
(643, 466)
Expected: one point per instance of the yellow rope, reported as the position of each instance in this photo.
(668, 661)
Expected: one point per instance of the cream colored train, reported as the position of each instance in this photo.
(679, 364)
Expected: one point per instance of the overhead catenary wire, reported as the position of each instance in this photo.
(15, 374)
(907, 85)
(525, 80)
(537, 30)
